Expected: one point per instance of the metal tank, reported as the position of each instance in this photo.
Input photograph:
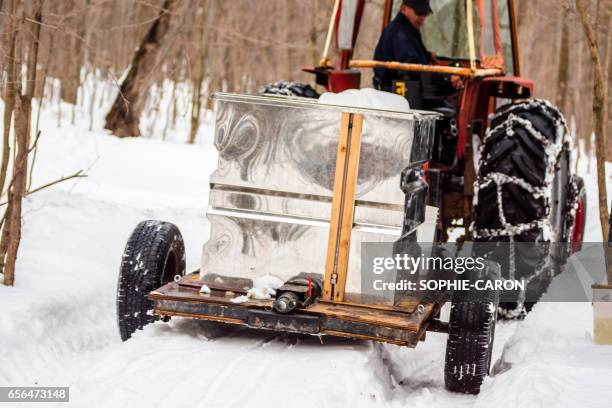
(271, 194)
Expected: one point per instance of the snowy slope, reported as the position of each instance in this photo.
(57, 325)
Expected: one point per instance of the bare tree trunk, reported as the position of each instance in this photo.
(284, 36)
(2, 60)
(564, 62)
(23, 118)
(599, 113)
(196, 108)
(198, 72)
(40, 86)
(313, 34)
(9, 97)
(229, 68)
(203, 52)
(608, 47)
(69, 86)
(169, 111)
(75, 77)
(522, 12)
(124, 117)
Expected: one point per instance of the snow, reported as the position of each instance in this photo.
(264, 287)
(367, 98)
(58, 324)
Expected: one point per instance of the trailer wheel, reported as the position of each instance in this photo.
(153, 256)
(288, 88)
(471, 333)
(521, 194)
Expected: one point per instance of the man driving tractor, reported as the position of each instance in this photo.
(401, 41)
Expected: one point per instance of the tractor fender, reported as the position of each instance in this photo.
(477, 103)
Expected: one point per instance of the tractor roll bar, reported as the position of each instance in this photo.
(439, 69)
(330, 31)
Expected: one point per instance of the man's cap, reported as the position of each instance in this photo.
(420, 6)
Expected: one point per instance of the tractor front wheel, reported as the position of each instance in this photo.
(153, 256)
(471, 331)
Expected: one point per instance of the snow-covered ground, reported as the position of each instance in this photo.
(58, 328)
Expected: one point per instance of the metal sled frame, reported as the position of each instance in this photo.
(336, 313)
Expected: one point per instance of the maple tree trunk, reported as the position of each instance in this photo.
(599, 113)
(9, 97)
(564, 63)
(11, 233)
(124, 117)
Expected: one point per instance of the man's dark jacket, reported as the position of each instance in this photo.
(399, 42)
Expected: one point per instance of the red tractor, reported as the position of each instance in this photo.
(501, 160)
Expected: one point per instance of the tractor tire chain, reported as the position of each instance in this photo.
(289, 88)
(506, 124)
(519, 159)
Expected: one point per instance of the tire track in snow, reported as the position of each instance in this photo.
(255, 376)
(229, 369)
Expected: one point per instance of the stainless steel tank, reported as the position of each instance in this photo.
(271, 194)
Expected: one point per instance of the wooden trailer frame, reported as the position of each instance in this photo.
(336, 312)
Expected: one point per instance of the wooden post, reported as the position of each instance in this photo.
(343, 207)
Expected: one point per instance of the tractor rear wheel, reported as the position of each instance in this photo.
(153, 256)
(521, 195)
(288, 88)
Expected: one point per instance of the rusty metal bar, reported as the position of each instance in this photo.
(330, 32)
(387, 13)
(514, 30)
(439, 69)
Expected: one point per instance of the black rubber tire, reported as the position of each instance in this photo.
(471, 333)
(288, 88)
(153, 256)
(516, 147)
